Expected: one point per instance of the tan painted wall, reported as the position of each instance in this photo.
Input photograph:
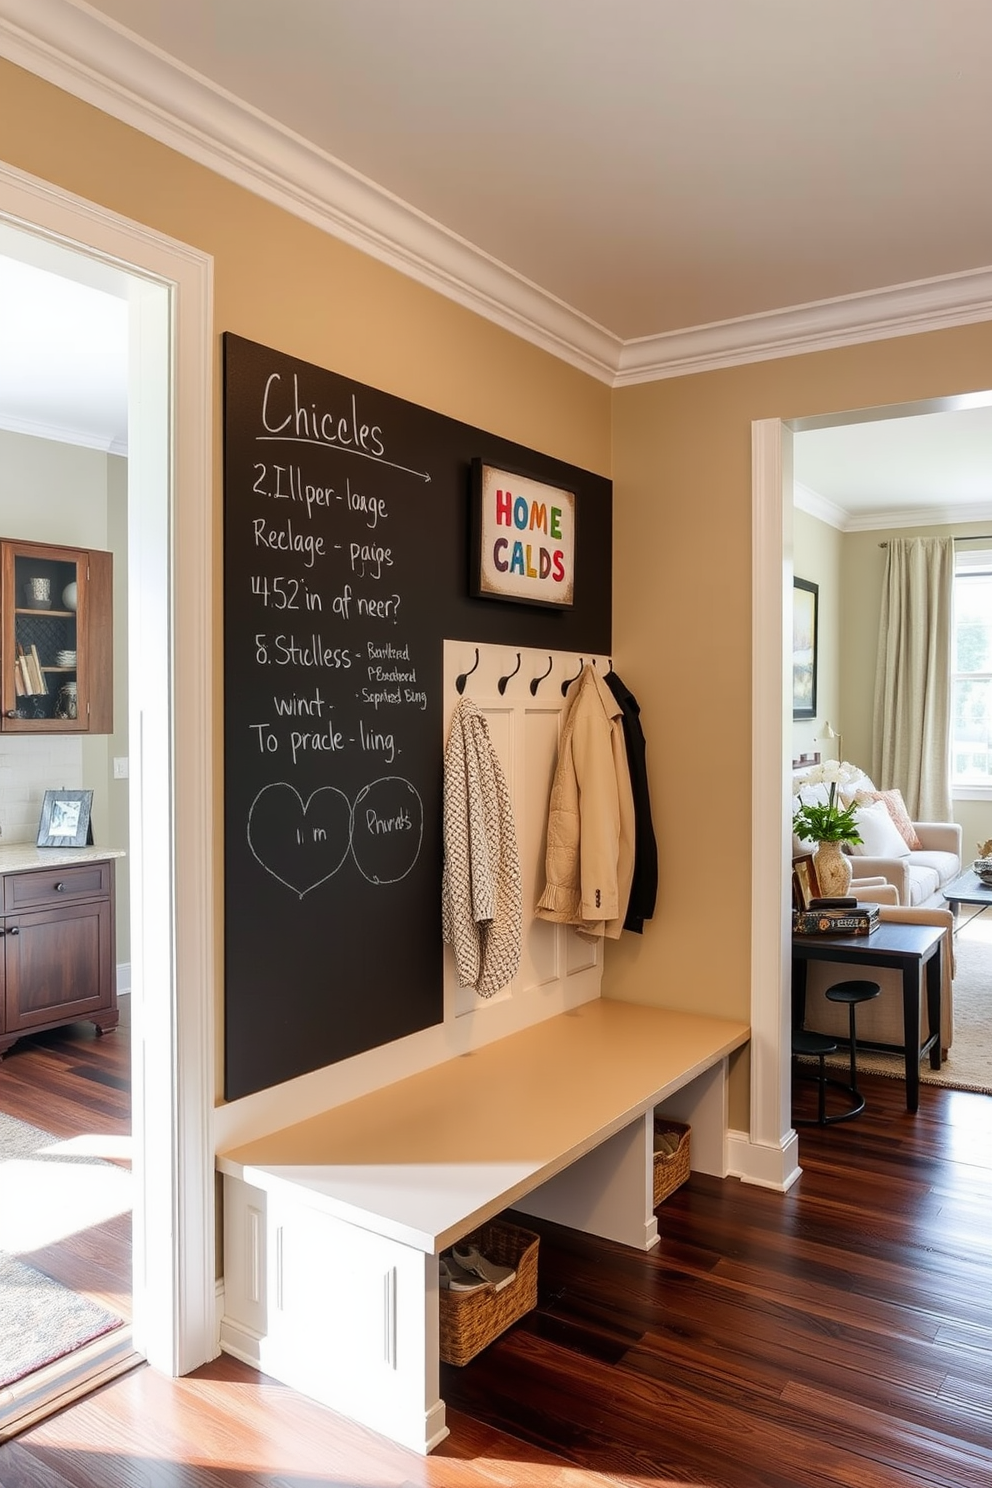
(681, 452)
(682, 632)
(817, 549)
(283, 283)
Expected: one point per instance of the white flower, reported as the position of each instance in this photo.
(831, 772)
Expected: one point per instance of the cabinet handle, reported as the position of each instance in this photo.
(60, 887)
(11, 712)
(14, 930)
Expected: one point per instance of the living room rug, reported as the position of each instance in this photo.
(968, 1065)
(50, 1189)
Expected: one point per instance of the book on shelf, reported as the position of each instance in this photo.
(861, 919)
(41, 686)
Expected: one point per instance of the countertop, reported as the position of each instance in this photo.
(15, 857)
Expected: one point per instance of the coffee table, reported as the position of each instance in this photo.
(913, 950)
(967, 888)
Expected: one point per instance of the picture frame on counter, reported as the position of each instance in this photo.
(65, 819)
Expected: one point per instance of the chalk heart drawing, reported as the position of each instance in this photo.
(387, 829)
(301, 843)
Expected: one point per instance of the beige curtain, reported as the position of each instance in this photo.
(911, 734)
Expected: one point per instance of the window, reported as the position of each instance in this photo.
(971, 671)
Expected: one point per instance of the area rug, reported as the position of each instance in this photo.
(968, 1065)
(50, 1189)
(41, 1320)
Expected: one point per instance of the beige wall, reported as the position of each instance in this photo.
(682, 637)
(681, 462)
(283, 283)
(817, 549)
(60, 493)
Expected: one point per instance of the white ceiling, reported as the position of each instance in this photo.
(643, 168)
(655, 164)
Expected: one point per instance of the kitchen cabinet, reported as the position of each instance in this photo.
(57, 947)
(56, 639)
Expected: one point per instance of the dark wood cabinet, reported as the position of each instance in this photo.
(58, 949)
(56, 634)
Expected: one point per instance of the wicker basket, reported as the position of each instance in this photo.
(670, 1168)
(471, 1320)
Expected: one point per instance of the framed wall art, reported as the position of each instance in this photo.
(523, 538)
(65, 819)
(804, 642)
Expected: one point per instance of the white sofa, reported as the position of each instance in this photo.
(920, 874)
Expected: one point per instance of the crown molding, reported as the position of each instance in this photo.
(88, 55)
(63, 434)
(924, 516)
(805, 499)
(814, 505)
(874, 315)
(100, 62)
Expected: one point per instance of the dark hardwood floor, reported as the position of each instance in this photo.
(839, 1336)
(71, 1081)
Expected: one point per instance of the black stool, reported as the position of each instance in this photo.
(817, 1046)
(852, 993)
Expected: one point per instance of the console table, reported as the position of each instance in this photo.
(333, 1227)
(911, 950)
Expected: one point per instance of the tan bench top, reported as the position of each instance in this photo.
(425, 1158)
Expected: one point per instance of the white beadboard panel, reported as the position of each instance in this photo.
(541, 960)
(523, 693)
(582, 955)
(30, 764)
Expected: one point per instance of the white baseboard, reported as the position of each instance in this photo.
(765, 1166)
(123, 978)
(219, 1311)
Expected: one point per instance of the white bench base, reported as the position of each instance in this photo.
(341, 1302)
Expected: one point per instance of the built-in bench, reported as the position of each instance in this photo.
(333, 1226)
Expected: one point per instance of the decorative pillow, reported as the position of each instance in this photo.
(897, 810)
(879, 835)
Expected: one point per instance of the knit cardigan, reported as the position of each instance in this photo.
(481, 895)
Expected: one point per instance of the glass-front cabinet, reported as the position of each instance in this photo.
(57, 642)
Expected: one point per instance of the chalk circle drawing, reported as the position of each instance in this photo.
(387, 829)
(301, 843)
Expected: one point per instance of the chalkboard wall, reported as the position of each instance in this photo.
(346, 564)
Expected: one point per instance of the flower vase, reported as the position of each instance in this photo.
(833, 869)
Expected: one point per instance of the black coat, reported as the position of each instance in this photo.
(644, 885)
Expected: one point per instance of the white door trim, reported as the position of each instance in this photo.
(774, 1148)
(170, 506)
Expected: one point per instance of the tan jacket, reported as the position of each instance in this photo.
(590, 853)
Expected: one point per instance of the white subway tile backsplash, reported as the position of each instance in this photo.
(30, 764)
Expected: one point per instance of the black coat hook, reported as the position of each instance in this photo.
(535, 682)
(569, 680)
(501, 684)
(460, 681)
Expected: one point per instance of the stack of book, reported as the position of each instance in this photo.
(29, 679)
(835, 917)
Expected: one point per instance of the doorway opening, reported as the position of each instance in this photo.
(772, 754)
(166, 286)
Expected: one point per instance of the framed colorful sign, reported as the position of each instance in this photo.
(523, 538)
